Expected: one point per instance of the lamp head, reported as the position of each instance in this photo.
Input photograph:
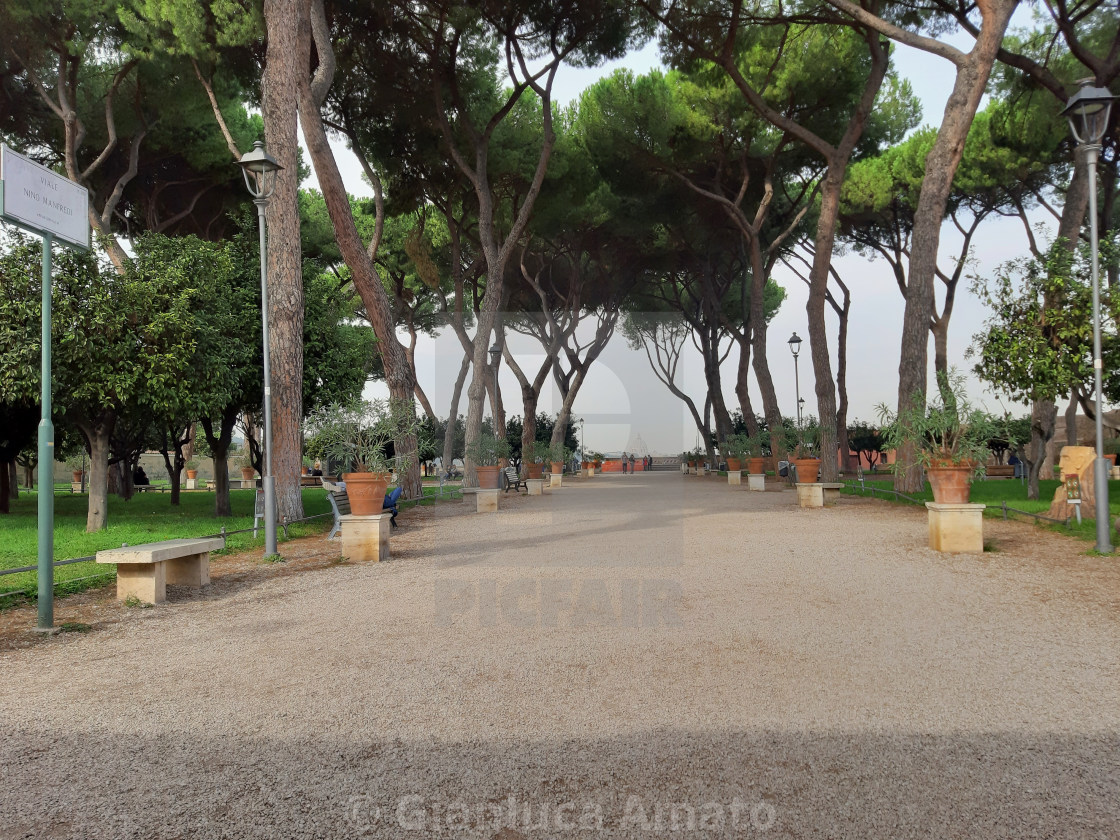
(1088, 111)
(259, 169)
(795, 345)
(495, 355)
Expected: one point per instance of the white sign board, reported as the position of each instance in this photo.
(42, 200)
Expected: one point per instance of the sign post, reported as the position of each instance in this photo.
(43, 202)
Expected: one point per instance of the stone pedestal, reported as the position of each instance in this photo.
(810, 495)
(589, 472)
(247, 483)
(756, 481)
(735, 477)
(366, 538)
(556, 479)
(75, 487)
(486, 501)
(535, 486)
(957, 528)
(192, 483)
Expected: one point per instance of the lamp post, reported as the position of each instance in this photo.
(1088, 111)
(795, 348)
(495, 360)
(582, 440)
(259, 169)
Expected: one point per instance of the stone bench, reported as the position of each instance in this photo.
(143, 571)
(818, 493)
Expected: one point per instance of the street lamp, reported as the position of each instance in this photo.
(582, 440)
(259, 169)
(795, 348)
(1088, 112)
(495, 360)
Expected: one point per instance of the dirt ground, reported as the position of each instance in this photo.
(627, 656)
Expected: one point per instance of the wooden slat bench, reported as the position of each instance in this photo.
(513, 480)
(143, 571)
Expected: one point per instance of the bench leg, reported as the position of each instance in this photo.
(189, 571)
(145, 581)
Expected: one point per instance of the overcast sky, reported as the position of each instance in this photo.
(624, 405)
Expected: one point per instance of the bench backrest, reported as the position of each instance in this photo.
(511, 475)
(341, 501)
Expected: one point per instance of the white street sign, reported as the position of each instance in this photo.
(42, 200)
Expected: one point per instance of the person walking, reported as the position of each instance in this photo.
(631, 462)
(624, 463)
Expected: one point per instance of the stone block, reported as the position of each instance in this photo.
(756, 482)
(956, 528)
(589, 472)
(556, 480)
(810, 495)
(487, 501)
(75, 487)
(145, 581)
(735, 477)
(535, 486)
(366, 538)
(193, 570)
(192, 484)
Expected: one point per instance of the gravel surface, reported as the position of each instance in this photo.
(628, 656)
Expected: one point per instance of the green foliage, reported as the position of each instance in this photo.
(487, 450)
(949, 432)
(361, 433)
(1037, 344)
(867, 441)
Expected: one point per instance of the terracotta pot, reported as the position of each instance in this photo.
(556, 467)
(304, 471)
(535, 469)
(247, 473)
(366, 491)
(756, 466)
(950, 483)
(1111, 458)
(192, 473)
(77, 475)
(807, 469)
(488, 477)
(734, 465)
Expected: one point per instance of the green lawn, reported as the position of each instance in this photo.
(147, 517)
(993, 492)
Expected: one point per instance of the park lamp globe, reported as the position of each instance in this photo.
(795, 345)
(495, 355)
(259, 169)
(1088, 111)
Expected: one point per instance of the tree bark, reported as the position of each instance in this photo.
(453, 417)
(287, 32)
(97, 432)
(13, 479)
(399, 375)
(5, 488)
(742, 389)
(941, 164)
(219, 451)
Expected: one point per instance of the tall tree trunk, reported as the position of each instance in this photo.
(742, 387)
(1071, 419)
(453, 417)
(941, 164)
(758, 331)
(219, 451)
(97, 432)
(13, 479)
(399, 375)
(1044, 412)
(5, 489)
(287, 29)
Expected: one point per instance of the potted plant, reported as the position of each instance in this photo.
(192, 468)
(77, 468)
(755, 445)
(305, 469)
(806, 455)
(951, 437)
(245, 464)
(736, 449)
(487, 451)
(535, 457)
(360, 434)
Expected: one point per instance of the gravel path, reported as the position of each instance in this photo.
(629, 656)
